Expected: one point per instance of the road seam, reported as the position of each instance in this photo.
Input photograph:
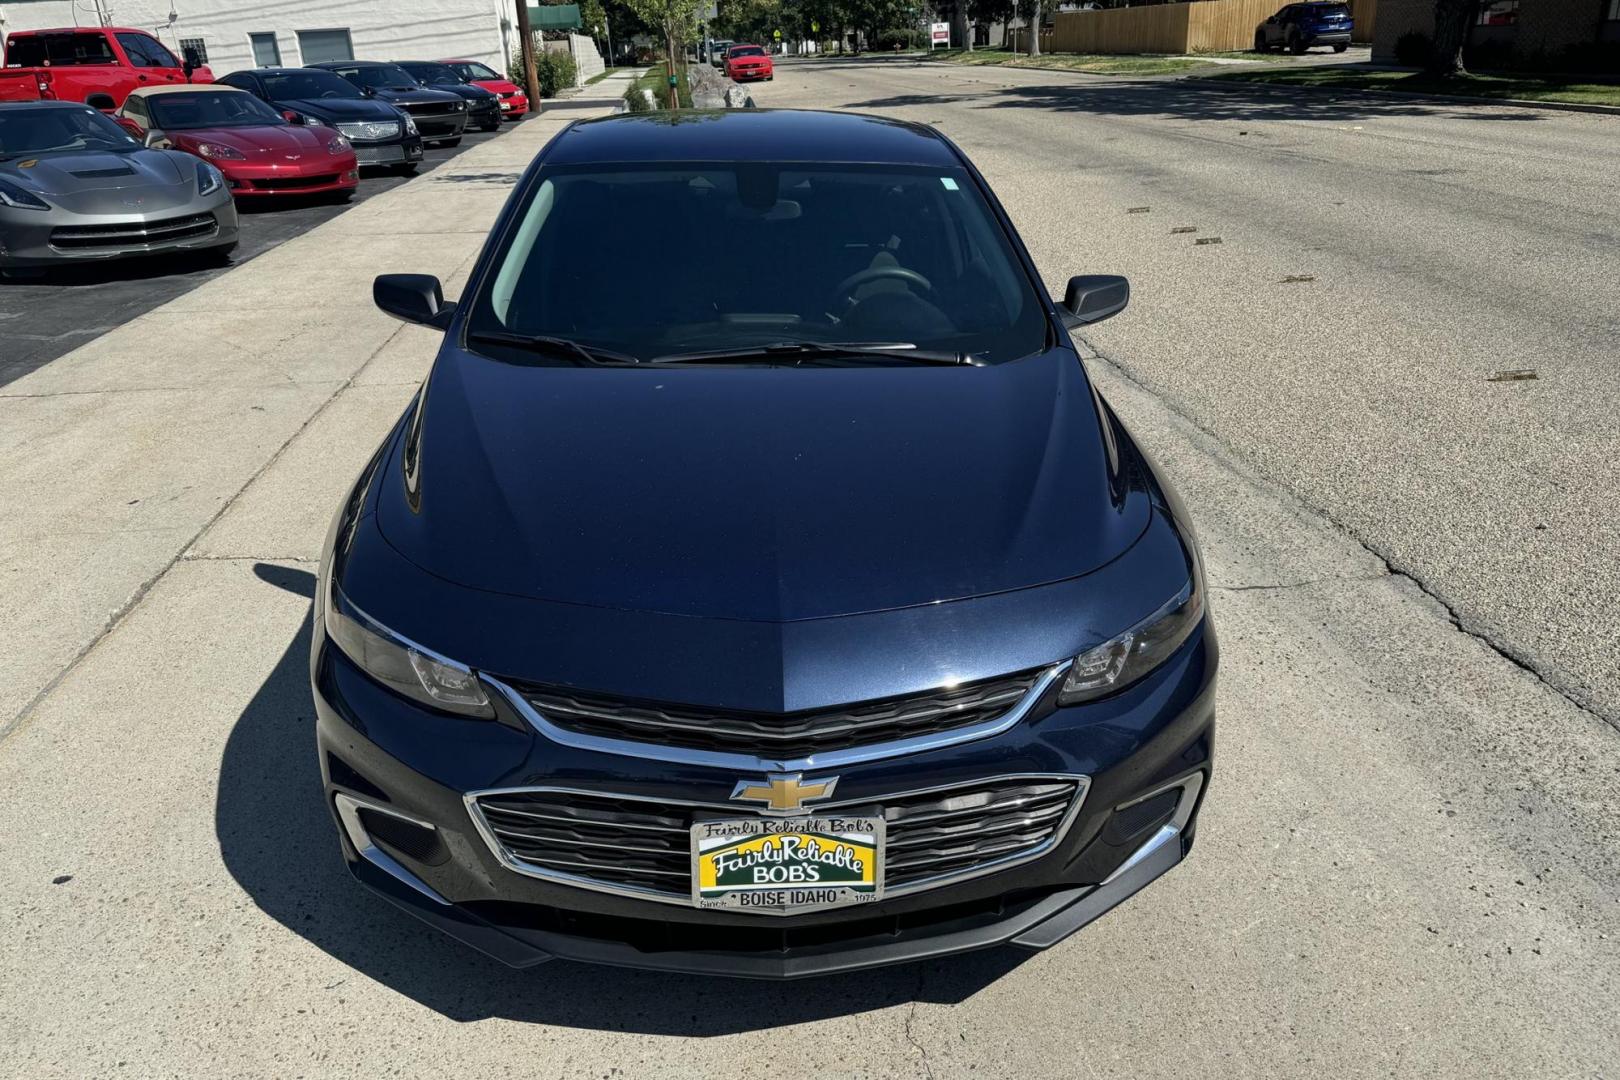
(1394, 568)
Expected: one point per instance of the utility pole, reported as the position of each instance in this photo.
(531, 84)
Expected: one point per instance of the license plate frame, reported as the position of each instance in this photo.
(806, 848)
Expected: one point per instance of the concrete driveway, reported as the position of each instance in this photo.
(1406, 866)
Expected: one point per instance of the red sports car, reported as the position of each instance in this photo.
(259, 150)
(514, 102)
(744, 62)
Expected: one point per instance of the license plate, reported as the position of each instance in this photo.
(778, 866)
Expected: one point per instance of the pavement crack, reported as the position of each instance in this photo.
(1392, 567)
(911, 1037)
(1278, 586)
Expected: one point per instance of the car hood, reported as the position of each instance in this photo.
(499, 86)
(342, 110)
(766, 494)
(97, 170)
(415, 97)
(270, 142)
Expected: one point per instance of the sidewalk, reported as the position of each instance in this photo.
(119, 457)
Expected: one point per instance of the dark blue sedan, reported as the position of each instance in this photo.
(782, 606)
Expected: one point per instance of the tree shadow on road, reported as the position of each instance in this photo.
(1199, 100)
(279, 842)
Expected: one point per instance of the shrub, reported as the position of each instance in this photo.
(1413, 50)
(554, 71)
(896, 37)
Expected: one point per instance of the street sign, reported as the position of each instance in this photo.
(939, 34)
(777, 34)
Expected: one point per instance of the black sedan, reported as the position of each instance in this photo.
(771, 623)
(441, 117)
(483, 106)
(381, 134)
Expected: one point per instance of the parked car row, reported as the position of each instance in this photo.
(161, 173)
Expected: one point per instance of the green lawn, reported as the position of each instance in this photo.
(656, 79)
(1524, 88)
(1090, 63)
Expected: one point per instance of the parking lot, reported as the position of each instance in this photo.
(44, 318)
(1406, 865)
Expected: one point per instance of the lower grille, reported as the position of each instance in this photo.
(134, 234)
(432, 108)
(294, 183)
(780, 736)
(643, 846)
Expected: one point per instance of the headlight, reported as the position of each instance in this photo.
(1123, 660)
(400, 664)
(372, 130)
(338, 145)
(209, 178)
(410, 126)
(220, 152)
(21, 198)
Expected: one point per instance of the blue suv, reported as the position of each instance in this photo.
(1298, 27)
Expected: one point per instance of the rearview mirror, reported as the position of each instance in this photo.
(1091, 298)
(413, 298)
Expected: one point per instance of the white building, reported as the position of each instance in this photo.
(235, 34)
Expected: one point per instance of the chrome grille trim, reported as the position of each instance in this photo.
(741, 762)
(1002, 846)
(134, 233)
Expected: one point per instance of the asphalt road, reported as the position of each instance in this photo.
(1359, 270)
(1406, 865)
(40, 319)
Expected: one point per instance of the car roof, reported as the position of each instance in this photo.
(354, 63)
(275, 71)
(187, 88)
(751, 135)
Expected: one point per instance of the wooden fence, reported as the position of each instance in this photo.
(1201, 26)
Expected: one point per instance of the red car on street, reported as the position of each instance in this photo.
(514, 102)
(259, 150)
(744, 62)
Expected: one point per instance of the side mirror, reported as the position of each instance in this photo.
(413, 298)
(292, 117)
(1092, 298)
(156, 140)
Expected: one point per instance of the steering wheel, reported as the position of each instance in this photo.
(876, 273)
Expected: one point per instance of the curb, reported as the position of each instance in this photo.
(1458, 99)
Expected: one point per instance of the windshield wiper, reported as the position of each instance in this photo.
(901, 351)
(546, 343)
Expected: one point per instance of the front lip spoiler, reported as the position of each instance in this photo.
(1038, 927)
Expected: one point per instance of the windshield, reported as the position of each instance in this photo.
(380, 77)
(746, 50)
(475, 71)
(302, 85)
(432, 74)
(759, 253)
(210, 108)
(57, 130)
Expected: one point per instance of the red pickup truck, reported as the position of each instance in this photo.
(98, 65)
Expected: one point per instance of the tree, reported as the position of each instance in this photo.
(1032, 10)
(991, 11)
(1451, 21)
(675, 19)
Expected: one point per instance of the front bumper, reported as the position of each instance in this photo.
(436, 126)
(58, 237)
(336, 174)
(399, 152)
(515, 107)
(383, 755)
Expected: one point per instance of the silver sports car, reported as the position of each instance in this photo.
(76, 187)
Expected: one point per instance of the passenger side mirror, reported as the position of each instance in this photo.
(292, 117)
(1091, 298)
(413, 298)
(156, 140)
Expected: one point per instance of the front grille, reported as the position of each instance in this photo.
(644, 846)
(134, 234)
(294, 183)
(780, 736)
(432, 108)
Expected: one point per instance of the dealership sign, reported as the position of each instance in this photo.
(939, 34)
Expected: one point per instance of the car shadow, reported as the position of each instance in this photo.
(278, 841)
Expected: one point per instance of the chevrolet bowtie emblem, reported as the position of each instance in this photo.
(784, 793)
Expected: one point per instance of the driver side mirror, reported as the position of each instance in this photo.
(1091, 298)
(156, 140)
(292, 117)
(413, 298)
